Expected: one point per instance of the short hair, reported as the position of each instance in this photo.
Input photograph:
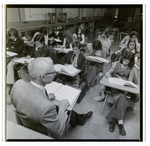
(130, 42)
(39, 66)
(40, 38)
(133, 33)
(129, 56)
(13, 31)
(43, 30)
(97, 45)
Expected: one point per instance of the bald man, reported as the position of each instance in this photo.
(34, 109)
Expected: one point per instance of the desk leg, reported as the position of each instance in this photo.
(67, 123)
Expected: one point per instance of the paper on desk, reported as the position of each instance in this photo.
(121, 82)
(96, 58)
(53, 87)
(24, 60)
(57, 40)
(70, 69)
(67, 92)
(11, 53)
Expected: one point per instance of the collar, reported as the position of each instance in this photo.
(38, 86)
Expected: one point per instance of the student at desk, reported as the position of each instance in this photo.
(131, 46)
(15, 44)
(81, 38)
(43, 31)
(93, 67)
(77, 59)
(56, 34)
(122, 69)
(35, 110)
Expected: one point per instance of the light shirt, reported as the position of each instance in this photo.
(38, 86)
(98, 53)
(74, 63)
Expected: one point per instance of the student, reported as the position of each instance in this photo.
(107, 32)
(122, 69)
(35, 110)
(134, 36)
(131, 46)
(77, 59)
(79, 35)
(68, 39)
(43, 31)
(93, 67)
(57, 34)
(15, 44)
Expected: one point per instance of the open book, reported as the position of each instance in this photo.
(11, 53)
(23, 60)
(122, 82)
(63, 92)
(66, 69)
(97, 59)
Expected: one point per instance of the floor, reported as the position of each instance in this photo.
(96, 128)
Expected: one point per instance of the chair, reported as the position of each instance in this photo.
(108, 98)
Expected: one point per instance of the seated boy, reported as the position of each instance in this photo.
(77, 59)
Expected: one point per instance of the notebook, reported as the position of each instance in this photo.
(63, 92)
(66, 69)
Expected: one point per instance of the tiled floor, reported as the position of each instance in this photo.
(97, 126)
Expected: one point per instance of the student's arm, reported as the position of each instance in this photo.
(133, 75)
(108, 74)
(53, 122)
(104, 54)
(19, 47)
(83, 64)
(83, 37)
(123, 41)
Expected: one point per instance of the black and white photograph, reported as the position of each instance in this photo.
(73, 72)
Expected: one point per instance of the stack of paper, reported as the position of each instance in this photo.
(69, 69)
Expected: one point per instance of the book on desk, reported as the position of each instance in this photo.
(63, 92)
(97, 59)
(11, 54)
(120, 84)
(69, 70)
(23, 60)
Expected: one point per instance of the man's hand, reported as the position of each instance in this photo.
(63, 105)
(28, 56)
(108, 75)
(51, 96)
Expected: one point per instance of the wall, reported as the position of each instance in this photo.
(13, 15)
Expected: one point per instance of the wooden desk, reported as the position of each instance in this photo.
(105, 82)
(15, 131)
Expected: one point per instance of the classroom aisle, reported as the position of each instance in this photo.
(97, 127)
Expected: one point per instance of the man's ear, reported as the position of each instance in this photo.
(43, 78)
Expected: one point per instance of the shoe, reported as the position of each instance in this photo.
(85, 117)
(134, 107)
(100, 98)
(112, 126)
(88, 115)
(122, 130)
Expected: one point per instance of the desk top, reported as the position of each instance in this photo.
(106, 82)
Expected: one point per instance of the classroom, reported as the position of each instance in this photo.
(73, 72)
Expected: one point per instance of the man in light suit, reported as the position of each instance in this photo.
(33, 107)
